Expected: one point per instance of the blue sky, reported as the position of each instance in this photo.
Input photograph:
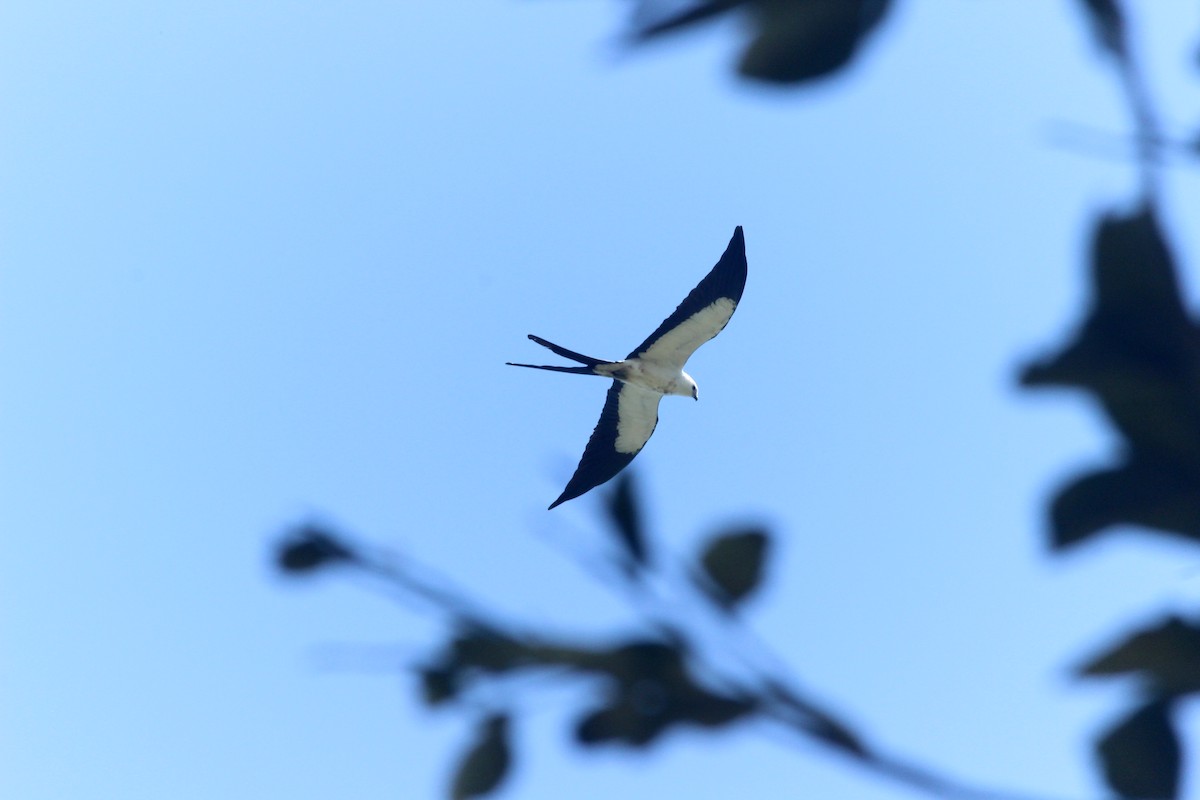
(261, 263)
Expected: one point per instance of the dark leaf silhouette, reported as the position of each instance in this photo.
(626, 721)
(1138, 353)
(644, 674)
(608, 724)
(710, 710)
(793, 41)
(651, 690)
(1107, 23)
(643, 659)
(1136, 348)
(1142, 491)
(642, 711)
(439, 684)
(488, 650)
(625, 512)
(473, 651)
(1140, 756)
(1166, 656)
(733, 566)
(308, 548)
(486, 762)
(803, 40)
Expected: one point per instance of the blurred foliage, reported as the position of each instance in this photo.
(640, 686)
(308, 548)
(1140, 755)
(792, 41)
(624, 512)
(1165, 658)
(665, 673)
(1108, 25)
(1136, 352)
(732, 566)
(486, 762)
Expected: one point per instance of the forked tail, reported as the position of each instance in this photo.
(587, 361)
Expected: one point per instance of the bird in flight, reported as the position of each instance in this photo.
(653, 369)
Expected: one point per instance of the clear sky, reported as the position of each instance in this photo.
(262, 261)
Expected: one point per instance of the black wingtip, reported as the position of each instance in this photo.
(571, 492)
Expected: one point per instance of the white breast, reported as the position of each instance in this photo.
(650, 374)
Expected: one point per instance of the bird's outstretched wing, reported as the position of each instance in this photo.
(629, 417)
(703, 313)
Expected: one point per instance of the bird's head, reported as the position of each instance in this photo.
(688, 387)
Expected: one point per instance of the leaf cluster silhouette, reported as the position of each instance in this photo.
(659, 677)
(1135, 352)
(1138, 354)
(644, 684)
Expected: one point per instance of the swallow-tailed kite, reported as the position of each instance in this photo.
(653, 369)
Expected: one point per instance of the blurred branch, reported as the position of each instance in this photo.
(1110, 27)
(648, 683)
(1099, 143)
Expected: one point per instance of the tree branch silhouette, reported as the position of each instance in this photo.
(658, 677)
